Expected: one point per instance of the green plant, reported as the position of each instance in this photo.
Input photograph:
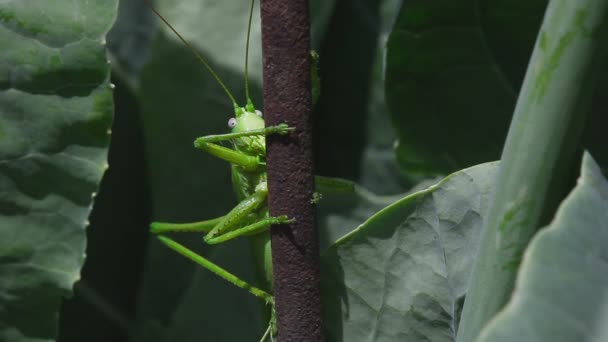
(395, 266)
(55, 114)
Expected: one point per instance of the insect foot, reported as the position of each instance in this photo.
(282, 129)
(316, 197)
(283, 219)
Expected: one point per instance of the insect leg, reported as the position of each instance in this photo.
(280, 129)
(240, 214)
(249, 163)
(266, 334)
(250, 229)
(200, 226)
(216, 269)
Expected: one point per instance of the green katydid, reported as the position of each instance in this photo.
(250, 217)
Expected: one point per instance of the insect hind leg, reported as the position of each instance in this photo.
(190, 227)
(216, 269)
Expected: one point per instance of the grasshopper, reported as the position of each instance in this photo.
(250, 217)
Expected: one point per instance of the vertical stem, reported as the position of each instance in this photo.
(536, 161)
(287, 98)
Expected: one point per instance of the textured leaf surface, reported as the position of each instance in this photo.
(402, 274)
(55, 115)
(562, 286)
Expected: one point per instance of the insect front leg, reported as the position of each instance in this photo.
(248, 162)
(280, 129)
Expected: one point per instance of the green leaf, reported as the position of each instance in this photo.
(453, 72)
(55, 115)
(538, 158)
(561, 292)
(339, 214)
(402, 274)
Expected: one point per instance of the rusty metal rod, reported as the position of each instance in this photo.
(287, 98)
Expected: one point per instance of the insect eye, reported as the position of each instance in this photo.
(258, 112)
(232, 122)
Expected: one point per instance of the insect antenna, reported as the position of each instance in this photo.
(249, 107)
(197, 55)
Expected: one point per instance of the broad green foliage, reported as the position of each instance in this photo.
(453, 72)
(562, 285)
(339, 214)
(540, 150)
(55, 114)
(403, 273)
